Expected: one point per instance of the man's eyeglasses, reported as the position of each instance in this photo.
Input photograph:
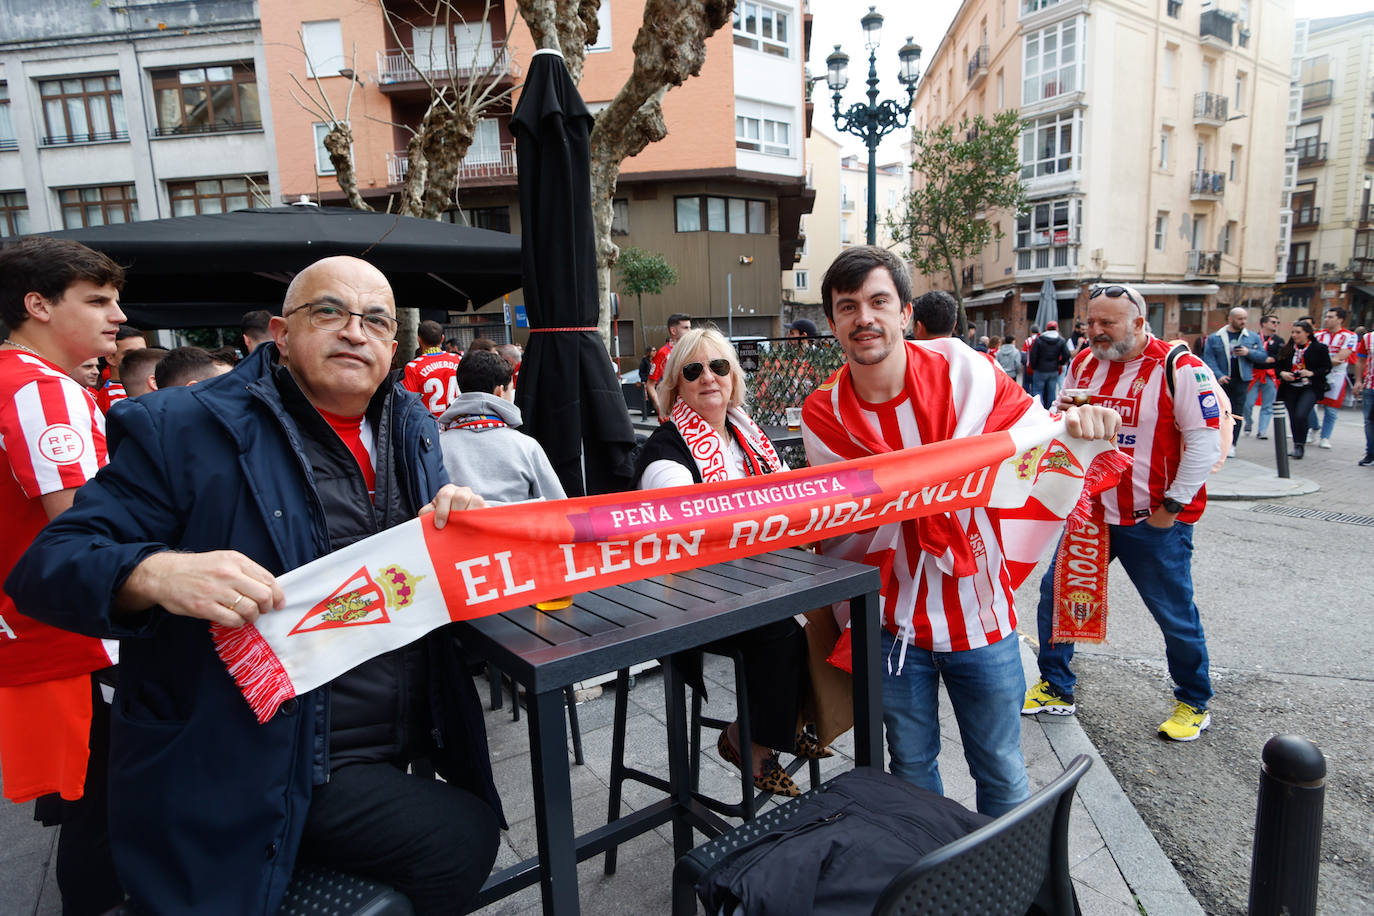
(328, 317)
(1115, 292)
(692, 371)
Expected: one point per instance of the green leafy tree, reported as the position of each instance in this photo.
(643, 272)
(962, 174)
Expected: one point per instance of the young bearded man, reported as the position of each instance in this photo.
(948, 610)
(1169, 426)
(214, 490)
(1341, 344)
(678, 325)
(61, 303)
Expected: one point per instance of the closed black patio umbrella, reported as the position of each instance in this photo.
(207, 270)
(569, 393)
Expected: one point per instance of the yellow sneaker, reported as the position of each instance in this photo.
(1186, 723)
(1044, 698)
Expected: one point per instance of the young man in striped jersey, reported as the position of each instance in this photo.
(948, 611)
(60, 301)
(1170, 429)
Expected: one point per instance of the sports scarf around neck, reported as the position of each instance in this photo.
(708, 449)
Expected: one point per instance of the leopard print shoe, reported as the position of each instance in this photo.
(809, 747)
(774, 778)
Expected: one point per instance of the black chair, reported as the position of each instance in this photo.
(749, 801)
(497, 678)
(1017, 864)
(316, 890)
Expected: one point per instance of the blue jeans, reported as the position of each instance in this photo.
(986, 687)
(1160, 564)
(1263, 392)
(1367, 403)
(1328, 421)
(1046, 385)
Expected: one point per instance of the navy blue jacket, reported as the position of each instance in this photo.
(206, 805)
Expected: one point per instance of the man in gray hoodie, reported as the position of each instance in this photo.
(482, 449)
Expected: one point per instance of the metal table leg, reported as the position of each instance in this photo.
(679, 775)
(553, 803)
(868, 684)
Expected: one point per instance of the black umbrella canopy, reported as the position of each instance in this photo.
(569, 394)
(210, 269)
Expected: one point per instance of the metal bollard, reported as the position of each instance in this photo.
(1281, 439)
(1288, 828)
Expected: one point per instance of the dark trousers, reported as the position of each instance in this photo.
(1236, 390)
(775, 672)
(1300, 402)
(85, 869)
(432, 841)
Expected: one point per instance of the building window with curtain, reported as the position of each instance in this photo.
(14, 214)
(85, 109)
(1049, 145)
(1050, 62)
(721, 214)
(1161, 230)
(99, 206)
(1047, 234)
(620, 216)
(323, 165)
(7, 138)
(196, 100)
(761, 27)
(323, 44)
(217, 195)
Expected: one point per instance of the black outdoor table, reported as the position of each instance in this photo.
(614, 628)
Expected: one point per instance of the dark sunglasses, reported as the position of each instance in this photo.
(692, 371)
(1115, 292)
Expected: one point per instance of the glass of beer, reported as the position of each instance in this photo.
(1079, 396)
(794, 415)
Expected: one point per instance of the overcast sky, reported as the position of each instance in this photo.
(837, 22)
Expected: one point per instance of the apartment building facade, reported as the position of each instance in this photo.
(721, 197)
(820, 228)
(1331, 249)
(114, 113)
(1165, 173)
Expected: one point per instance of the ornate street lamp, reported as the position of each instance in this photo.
(873, 120)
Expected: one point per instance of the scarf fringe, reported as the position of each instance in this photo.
(1103, 473)
(254, 667)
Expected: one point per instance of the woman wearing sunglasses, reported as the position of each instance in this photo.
(1303, 365)
(708, 437)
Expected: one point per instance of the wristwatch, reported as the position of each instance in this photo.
(1172, 506)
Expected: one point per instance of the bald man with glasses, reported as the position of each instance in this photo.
(1169, 427)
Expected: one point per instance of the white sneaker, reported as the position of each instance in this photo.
(1232, 452)
(1325, 443)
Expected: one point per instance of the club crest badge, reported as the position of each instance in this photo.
(362, 600)
(1059, 460)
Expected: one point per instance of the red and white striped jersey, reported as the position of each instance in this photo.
(1336, 341)
(1152, 424)
(1365, 350)
(108, 392)
(958, 394)
(52, 438)
(434, 377)
(1337, 379)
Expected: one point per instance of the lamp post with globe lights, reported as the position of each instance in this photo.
(873, 120)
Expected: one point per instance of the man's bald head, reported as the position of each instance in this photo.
(1237, 318)
(354, 271)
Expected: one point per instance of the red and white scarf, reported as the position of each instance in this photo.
(709, 451)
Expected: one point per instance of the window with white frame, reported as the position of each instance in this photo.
(7, 138)
(603, 28)
(322, 164)
(721, 214)
(323, 41)
(761, 27)
(473, 45)
(1050, 65)
(486, 143)
(801, 280)
(763, 128)
(1161, 229)
(1047, 234)
(1228, 234)
(1050, 145)
(1239, 101)
(1165, 138)
(1169, 65)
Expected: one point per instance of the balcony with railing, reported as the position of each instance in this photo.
(1307, 217)
(971, 277)
(1363, 268)
(1203, 264)
(846, 202)
(1318, 93)
(1216, 27)
(73, 138)
(1298, 268)
(1369, 153)
(978, 67)
(1049, 249)
(1366, 214)
(1205, 185)
(1311, 151)
(476, 167)
(8, 143)
(396, 68)
(1210, 108)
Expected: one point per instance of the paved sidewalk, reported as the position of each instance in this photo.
(1116, 862)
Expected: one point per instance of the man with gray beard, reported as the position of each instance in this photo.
(1169, 427)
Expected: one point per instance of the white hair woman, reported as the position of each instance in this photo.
(708, 438)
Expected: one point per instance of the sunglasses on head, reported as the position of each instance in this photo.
(692, 371)
(1114, 292)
